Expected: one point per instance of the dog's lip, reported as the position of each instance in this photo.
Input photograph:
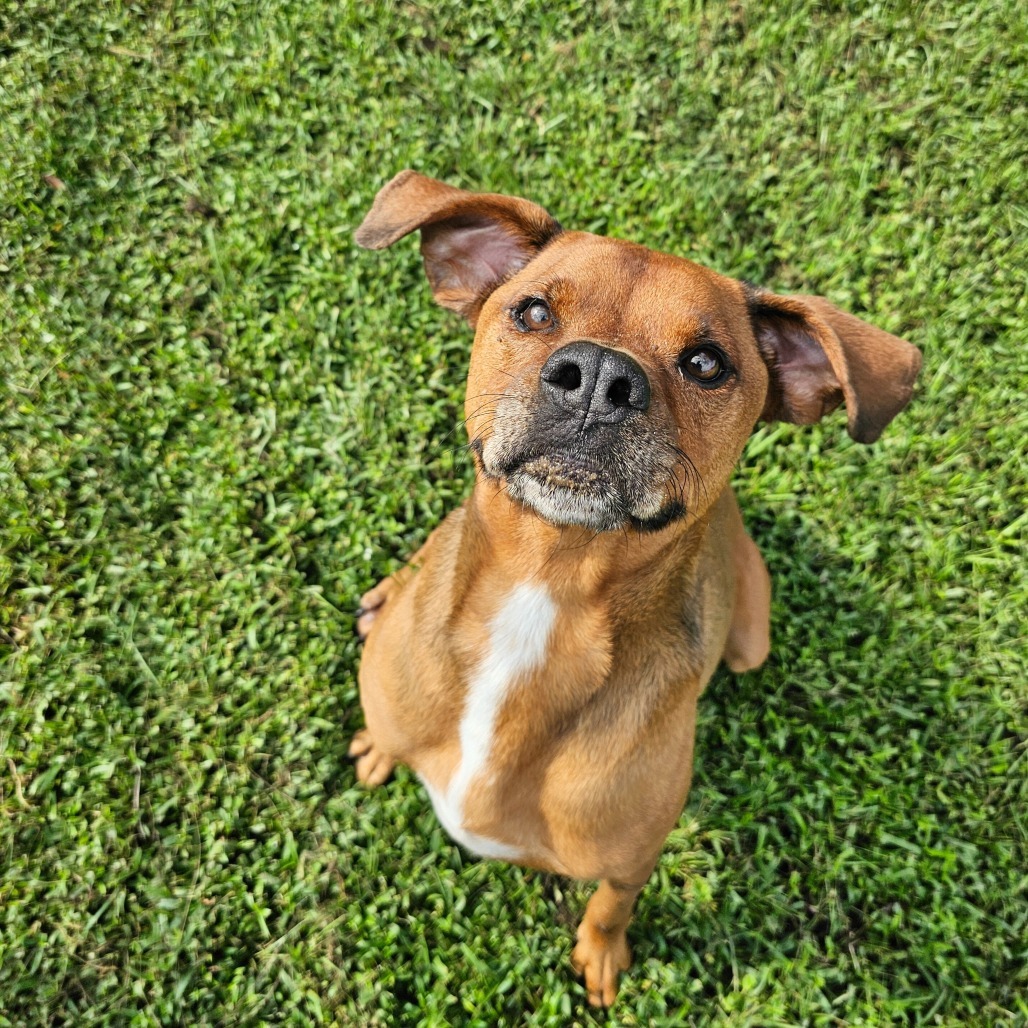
(568, 471)
(597, 502)
(569, 489)
(553, 462)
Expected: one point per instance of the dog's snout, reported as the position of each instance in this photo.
(603, 384)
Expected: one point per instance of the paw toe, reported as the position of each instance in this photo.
(373, 765)
(600, 963)
(370, 606)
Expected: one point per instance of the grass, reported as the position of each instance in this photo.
(220, 422)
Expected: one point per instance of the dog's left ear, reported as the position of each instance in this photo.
(818, 357)
(470, 242)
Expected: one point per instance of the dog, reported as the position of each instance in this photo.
(539, 660)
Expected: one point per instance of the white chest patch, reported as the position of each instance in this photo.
(518, 634)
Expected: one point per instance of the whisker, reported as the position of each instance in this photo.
(690, 472)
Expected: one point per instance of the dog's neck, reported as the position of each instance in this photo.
(578, 565)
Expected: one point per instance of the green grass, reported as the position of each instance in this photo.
(220, 422)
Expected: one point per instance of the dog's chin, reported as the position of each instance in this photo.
(566, 495)
(596, 509)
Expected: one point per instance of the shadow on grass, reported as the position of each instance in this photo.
(823, 839)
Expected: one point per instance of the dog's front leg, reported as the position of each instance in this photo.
(602, 952)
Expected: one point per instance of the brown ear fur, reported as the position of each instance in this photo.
(470, 242)
(818, 357)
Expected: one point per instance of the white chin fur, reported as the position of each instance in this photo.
(561, 506)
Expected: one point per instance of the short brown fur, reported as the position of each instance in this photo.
(590, 755)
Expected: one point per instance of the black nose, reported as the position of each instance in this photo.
(604, 385)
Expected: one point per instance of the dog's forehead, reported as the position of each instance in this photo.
(629, 281)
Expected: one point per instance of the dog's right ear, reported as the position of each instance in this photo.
(470, 242)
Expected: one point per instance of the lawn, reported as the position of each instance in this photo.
(221, 421)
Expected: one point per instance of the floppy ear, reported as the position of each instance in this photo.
(818, 357)
(470, 242)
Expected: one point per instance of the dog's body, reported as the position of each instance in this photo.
(539, 661)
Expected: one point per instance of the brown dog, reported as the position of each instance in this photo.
(539, 660)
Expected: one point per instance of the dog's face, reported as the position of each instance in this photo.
(611, 386)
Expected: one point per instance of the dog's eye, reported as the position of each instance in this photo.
(704, 364)
(534, 315)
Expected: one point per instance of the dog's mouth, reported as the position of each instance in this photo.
(568, 489)
(608, 478)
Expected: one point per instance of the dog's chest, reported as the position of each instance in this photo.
(516, 645)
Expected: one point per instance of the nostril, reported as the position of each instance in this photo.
(620, 392)
(567, 376)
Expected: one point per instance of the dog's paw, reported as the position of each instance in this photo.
(373, 766)
(600, 957)
(370, 605)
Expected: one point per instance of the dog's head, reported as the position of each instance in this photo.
(611, 385)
